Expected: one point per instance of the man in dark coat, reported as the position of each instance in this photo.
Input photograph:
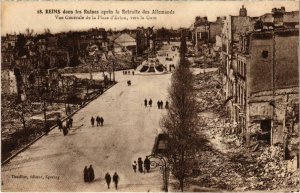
(150, 102)
(145, 102)
(161, 104)
(71, 122)
(167, 105)
(107, 179)
(85, 174)
(59, 124)
(101, 121)
(98, 121)
(92, 121)
(91, 173)
(158, 104)
(65, 130)
(140, 164)
(147, 164)
(116, 179)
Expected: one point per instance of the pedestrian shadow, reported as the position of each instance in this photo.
(97, 180)
(73, 133)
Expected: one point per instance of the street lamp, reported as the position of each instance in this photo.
(157, 160)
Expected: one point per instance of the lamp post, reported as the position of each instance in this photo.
(157, 160)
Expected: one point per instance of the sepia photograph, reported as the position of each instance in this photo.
(149, 96)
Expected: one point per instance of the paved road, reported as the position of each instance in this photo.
(128, 133)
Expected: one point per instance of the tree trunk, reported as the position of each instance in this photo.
(23, 120)
(181, 185)
(182, 171)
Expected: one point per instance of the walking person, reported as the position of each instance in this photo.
(85, 174)
(65, 130)
(161, 104)
(107, 179)
(158, 104)
(98, 121)
(92, 121)
(91, 173)
(140, 165)
(147, 164)
(167, 105)
(59, 124)
(116, 179)
(134, 164)
(71, 122)
(68, 124)
(145, 102)
(101, 121)
(150, 102)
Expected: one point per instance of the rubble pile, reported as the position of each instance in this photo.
(274, 171)
(225, 164)
(209, 91)
(218, 171)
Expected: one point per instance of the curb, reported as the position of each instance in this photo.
(53, 127)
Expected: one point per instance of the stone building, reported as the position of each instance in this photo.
(266, 84)
(124, 43)
(260, 66)
(233, 27)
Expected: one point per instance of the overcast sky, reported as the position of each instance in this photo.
(17, 16)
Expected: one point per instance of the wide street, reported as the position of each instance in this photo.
(129, 132)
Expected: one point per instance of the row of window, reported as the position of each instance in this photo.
(240, 92)
(241, 95)
(241, 67)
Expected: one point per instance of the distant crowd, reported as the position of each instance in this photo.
(160, 104)
(127, 72)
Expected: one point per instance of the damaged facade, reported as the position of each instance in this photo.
(261, 81)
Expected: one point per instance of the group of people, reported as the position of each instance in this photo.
(171, 66)
(139, 165)
(89, 176)
(160, 104)
(65, 128)
(125, 72)
(148, 103)
(115, 179)
(99, 121)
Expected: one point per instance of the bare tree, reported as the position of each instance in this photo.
(181, 121)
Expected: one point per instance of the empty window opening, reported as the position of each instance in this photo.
(265, 126)
(264, 54)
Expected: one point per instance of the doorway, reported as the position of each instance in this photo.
(265, 126)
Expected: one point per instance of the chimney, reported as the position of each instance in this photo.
(243, 11)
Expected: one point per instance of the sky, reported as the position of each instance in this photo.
(17, 16)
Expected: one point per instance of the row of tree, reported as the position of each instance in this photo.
(181, 122)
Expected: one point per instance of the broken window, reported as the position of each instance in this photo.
(264, 54)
